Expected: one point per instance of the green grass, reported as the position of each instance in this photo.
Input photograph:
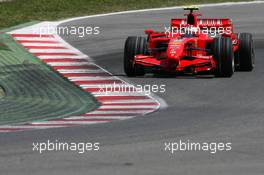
(21, 11)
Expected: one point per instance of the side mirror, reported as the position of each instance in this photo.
(149, 31)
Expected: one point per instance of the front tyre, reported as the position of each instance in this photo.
(246, 54)
(134, 45)
(224, 57)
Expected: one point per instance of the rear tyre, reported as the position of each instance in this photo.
(224, 56)
(133, 46)
(245, 54)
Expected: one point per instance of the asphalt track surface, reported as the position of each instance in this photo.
(199, 109)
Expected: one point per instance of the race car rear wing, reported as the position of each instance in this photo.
(206, 22)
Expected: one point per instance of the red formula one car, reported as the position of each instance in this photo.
(190, 46)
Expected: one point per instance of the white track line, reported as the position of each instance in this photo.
(44, 44)
(99, 85)
(51, 51)
(65, 71)
(102, 117)
(129, 101)
(121, 112)
(63, 57)
(89, 78)
(83, 78)
(126, 107)
(35, 39)
(68, 122)
(118, 93)
(69, 63)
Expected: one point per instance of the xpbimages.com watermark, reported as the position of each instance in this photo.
(128, 88)
(190, 30)
(78, 31)
(183, 146)
(50, 146)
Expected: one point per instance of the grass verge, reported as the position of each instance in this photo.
(20, 11)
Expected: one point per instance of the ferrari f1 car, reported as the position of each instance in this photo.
(191, 46)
